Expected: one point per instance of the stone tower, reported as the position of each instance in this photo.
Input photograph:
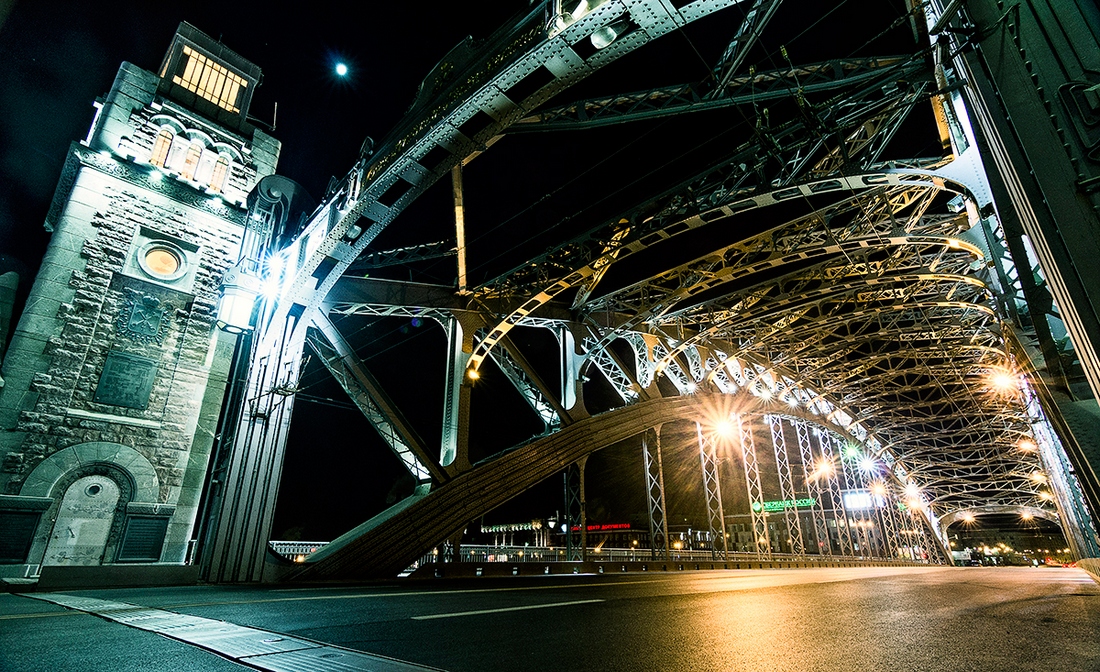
(115, 375)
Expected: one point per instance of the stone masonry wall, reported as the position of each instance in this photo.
(91, 321)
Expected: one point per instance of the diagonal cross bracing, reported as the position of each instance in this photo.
(364, 391)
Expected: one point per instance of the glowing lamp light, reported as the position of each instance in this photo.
(1002, 380)
(724, 428)
(1037, 476)
(1027, 445)
(237, 300)
(867, 464)
(1026, 515)
(968, 517)
(823, 468)
(472, 374)
(1045, 496)
(603, 37)
(341, 70)
(878, 489)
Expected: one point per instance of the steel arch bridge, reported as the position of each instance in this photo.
(835, 311)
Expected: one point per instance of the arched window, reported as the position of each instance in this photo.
(160, 147)
(191, 161)
(221, 172)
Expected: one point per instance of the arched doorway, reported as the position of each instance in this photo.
(83, 522)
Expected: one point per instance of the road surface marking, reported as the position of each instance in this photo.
(43, 614)
(254, 647)
(502, 609)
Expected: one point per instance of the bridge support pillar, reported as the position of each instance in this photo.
(655, 494)
(813, 488)
(786, 485)
(761, 538)
(454, 451)
(716, 517)
(576, 537)
(243, 505)
(831, 472)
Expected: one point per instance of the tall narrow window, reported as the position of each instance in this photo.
(191, 161)
(221, 171)
(160, 148)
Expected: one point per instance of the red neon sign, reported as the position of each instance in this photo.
(609, 527)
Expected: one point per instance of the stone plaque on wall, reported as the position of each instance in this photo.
(127, 380)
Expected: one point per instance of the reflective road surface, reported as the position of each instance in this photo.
(800, 620)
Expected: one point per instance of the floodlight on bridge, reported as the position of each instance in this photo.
(823, 468)
(1003, 380)
(603, 37)
(725, 428)
(1027, 445)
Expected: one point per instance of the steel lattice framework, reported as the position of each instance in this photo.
(805, 267)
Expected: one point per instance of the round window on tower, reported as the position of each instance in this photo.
(162, 260)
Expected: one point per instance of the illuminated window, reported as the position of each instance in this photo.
(161, 260)
(191, 161)
(221, 171)
(176, 153)
(210, 80)
(161, 147)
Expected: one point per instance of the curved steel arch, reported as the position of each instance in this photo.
(384, 547)
(955, 516)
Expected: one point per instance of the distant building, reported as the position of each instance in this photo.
(115, 375)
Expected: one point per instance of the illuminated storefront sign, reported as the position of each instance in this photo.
(609, 527)
(780, 504)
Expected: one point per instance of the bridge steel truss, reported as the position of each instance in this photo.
(854, 299)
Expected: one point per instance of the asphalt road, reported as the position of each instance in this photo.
(800, 620)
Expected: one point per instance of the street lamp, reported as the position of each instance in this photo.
(240, 286)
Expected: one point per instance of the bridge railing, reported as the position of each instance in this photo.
(516, 554)
(296, 550)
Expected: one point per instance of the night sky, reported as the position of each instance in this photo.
(526, 194)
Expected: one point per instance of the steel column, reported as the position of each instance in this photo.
(655, 494)
(761, 538)
(716, 517)
(832, 476)
(851, 483)
(887, 522)
(786, 485)
(576, 543)
(813, 489)
(245, 506)
(456, 397)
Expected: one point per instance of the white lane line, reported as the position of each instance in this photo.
(416, 593)
(502, 609)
